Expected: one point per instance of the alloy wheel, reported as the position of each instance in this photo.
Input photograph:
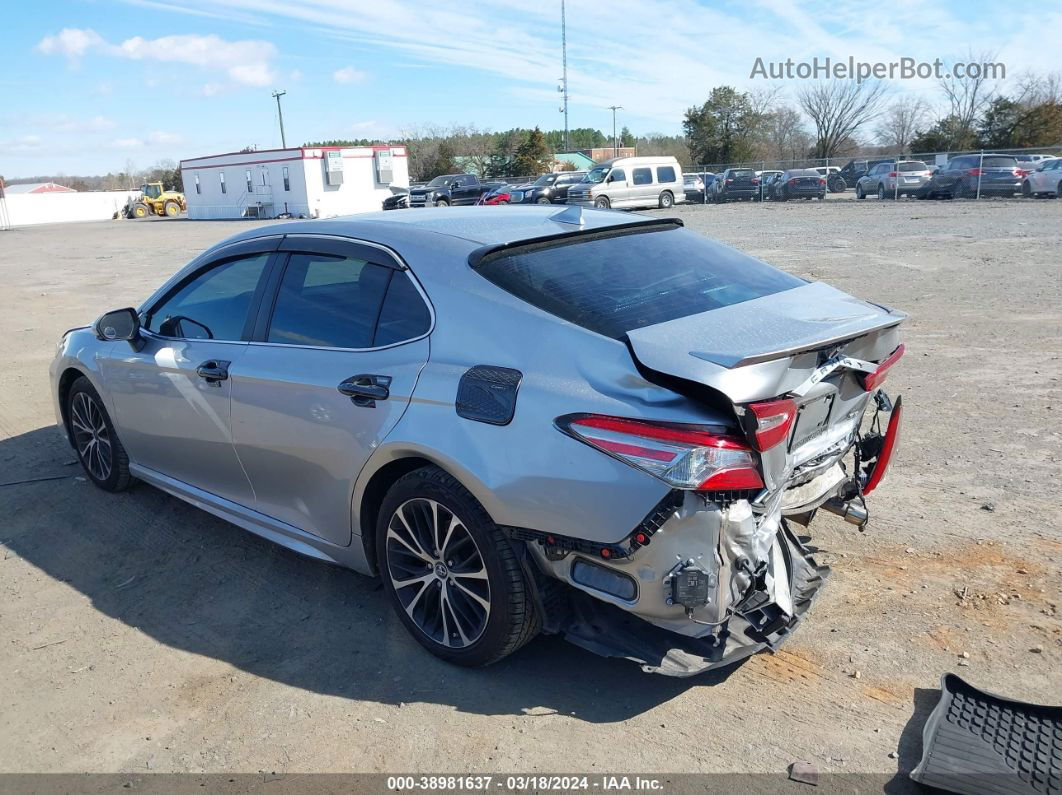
(91, 436)
(438, 573)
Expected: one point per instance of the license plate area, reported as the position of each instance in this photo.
(812, 420)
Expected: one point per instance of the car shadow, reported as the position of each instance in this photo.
(199, 584)
(909, 748)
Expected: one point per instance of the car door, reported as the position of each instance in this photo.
(616, 188)
(642, 189)
(1046, 176)
(337, 348)
(171, 398)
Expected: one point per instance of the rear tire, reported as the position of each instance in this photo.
(602, 203)
(542, 200)
(1058, 190)
(450, 573)
(859, 192)
(961, 191)
(666, 200)
(98, 448)
(881, 192)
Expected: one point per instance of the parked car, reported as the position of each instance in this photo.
(834, 181)
(631, 182)
(547, 189)
(398, 200)
(854, 169)
(448, 190)
(766, 178)
(327, 385)
(693, 187)
(886, 180)
(499, 193)
(1044, 180)
(735, 184)
(1024, 159)
(798, 183)
(961, 177)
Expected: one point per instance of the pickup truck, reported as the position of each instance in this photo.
(448, 190)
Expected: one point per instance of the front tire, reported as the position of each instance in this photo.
(602, 203)
(859, 192)
(96, 443)
(450, 573)
(141, 210)
(442, 203)
(542, 200)
(172, 209)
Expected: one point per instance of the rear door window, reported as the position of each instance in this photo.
(642, 176)
(601, 281)
(328, 301)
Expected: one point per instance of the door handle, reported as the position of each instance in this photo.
(214, 371)
(365, 390)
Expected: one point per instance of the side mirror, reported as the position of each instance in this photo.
(120, 324)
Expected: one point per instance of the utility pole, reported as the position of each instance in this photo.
(615, 140)
(280, 113)
(563, 87)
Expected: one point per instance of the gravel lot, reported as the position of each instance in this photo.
(139, 634)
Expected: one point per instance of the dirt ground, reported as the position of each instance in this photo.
(140, 634)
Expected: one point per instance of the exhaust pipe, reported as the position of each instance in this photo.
(849, 511)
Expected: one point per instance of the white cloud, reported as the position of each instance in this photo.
(71, 42)
(244, 62)
(348, 74)
(25, 143)
(67, 124)
(160, 138)
(127, 143)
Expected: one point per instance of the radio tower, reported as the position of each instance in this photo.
(563, 87)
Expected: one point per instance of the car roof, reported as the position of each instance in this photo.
(481, 226)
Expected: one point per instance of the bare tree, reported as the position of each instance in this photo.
(838, 109)
(968, 96)
(784, 136)
(904, 119)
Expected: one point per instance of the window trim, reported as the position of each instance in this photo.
(237, 250)
(333, 246)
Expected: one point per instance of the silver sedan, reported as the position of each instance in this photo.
(507, 417)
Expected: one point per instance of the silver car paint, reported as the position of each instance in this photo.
(525, 474)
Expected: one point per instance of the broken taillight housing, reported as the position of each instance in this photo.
(683, 456)
(773, 421)
(872, 381)
(888, 447)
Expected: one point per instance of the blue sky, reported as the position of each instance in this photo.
(88, 85)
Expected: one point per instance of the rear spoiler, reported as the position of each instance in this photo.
(476, 258)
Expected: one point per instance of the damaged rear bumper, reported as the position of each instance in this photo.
(611, 631)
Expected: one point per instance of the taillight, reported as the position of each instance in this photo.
(872, 381)
(974, 172)
(773, 421)
(1018, 172)
(893, 174)
(729, 181)
(683, 456)
(793, 181)
(822, 181)
(888, 447)
(755, 180)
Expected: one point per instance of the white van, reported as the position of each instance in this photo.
(631, 182)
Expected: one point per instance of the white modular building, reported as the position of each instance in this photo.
(316, 182)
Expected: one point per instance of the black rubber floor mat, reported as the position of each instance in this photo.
(977, 743)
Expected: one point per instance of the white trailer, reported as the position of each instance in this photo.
(315, 182)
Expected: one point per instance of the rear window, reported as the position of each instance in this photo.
(913, 165)
(742, 172)
(1000, 162)
(612, 283)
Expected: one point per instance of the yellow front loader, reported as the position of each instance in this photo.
(154, 200)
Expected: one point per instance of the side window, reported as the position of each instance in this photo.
(213, 305)
(665, 174)
(198, 187)
(404, 315)
(328, 301)
(221, 174)
(617, 175)
(642, 176)
(250, 185)
(287, 180)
